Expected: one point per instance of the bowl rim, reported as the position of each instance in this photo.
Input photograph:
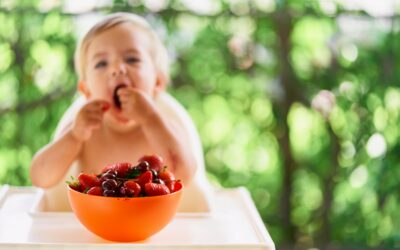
(131, 198)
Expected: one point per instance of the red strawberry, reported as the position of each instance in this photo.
(95, 191)
(154, 189)
(133, 187)
(146, 177)
(75, 185)
(108, 167)
(88, 180)
(166, 175)
(155, 161)
(174, 185)
(120, 168)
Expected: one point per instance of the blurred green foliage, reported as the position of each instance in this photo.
(250, 73)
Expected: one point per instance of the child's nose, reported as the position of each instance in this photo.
(118, 70)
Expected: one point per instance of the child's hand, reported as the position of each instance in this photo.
(135, 104)
(89, 118)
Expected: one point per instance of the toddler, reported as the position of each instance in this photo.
(123, 114)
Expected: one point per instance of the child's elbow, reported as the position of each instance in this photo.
(37, 178)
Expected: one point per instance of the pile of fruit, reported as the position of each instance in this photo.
(148, 178)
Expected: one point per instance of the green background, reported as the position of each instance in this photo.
(322, 167)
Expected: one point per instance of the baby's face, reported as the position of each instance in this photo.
(120, 55)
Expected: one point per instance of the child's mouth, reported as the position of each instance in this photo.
(117, 101)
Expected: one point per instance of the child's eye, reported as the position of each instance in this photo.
(132, 60)
(100, 64)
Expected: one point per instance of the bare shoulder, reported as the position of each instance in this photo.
(181, 119)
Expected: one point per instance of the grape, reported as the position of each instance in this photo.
(154, 172)
(158, 181)
(107, 176)
(109, 193)
(123, 191)
(143, 166)
(109, 184)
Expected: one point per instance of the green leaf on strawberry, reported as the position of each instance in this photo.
(74, 184)
(133, 173)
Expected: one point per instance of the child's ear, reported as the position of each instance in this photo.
(82, 88)
(161, 84)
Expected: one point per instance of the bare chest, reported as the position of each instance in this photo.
(103, 149)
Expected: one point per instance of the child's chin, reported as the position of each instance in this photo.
(125, 121)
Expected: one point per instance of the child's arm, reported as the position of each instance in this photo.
(167, 137)
(51, 163)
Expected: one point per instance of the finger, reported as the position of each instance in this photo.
(93, 111)
(99, 105)
(92, 123)
(98, 108)
(128, 91)
(95, 116)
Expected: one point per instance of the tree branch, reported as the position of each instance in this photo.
(45, 100)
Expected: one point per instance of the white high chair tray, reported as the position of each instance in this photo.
(233, 224)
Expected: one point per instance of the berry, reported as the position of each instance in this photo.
(166, 175)
(88, 180)
(154, 189)
(107, 176)
(146, 177)
(109, 184)
(109, 193)
(174, 186)
(105, 107)
(158, 181)
(75, 185)
(95, 191)
(124, 192)
(122, 169)
(154, 172)
(155, 161)
(143, 166)
(117, 101)
(133, 188)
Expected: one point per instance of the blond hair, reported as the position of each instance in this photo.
(158, 52)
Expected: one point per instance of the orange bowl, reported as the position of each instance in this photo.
(124, 219)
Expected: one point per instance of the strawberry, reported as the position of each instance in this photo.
(88, 180)
(154, 189)
(95, 191)
(120, 168)
(155, 161)
(146, 177)
(105, 107)
(107, 168)
(174, 185)
(74, 184)
(166, 175)
(133, 188)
